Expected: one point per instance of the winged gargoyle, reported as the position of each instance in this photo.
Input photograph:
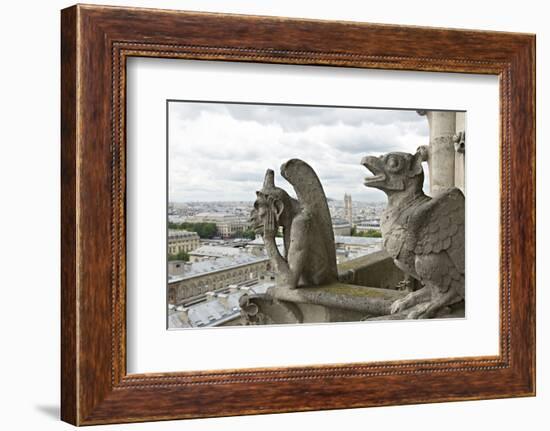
(309, 254)
(424, 235)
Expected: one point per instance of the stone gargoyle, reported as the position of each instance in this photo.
(309, 251)
(424, 235)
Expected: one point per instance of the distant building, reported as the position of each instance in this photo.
(352, 247)
(367, 225)
(257, 246)
(348, 209)
(354, 242)
(197, 278)
(341, 227)
(206, 252)
(182, 240)
(228, 225)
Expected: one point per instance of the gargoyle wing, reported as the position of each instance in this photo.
(311, 195)
(438, 225)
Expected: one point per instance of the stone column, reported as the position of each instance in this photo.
(460, 130)
(441, 160)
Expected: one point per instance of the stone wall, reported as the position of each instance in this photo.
(187, 288)
(373, 270)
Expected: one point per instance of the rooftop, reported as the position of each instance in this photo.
(223, 263)
(340, 222)
(215, 310)
(369, 223)
(217, 216)
(175, 233)
(260, 241)
(216, 251)
(357, 240)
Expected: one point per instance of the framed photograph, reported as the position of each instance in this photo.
(331, 214)
(225, 269)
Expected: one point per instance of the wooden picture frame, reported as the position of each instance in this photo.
(95, 43)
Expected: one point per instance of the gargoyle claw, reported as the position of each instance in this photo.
(397, 306)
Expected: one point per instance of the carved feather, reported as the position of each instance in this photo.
(438, 225)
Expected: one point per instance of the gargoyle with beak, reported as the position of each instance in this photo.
(423, 235)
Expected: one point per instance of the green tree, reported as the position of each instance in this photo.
(172, 225)
(182, 255)
(369, 233)
(204, 230)
(249, 234)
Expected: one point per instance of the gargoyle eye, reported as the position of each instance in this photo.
(393, 164)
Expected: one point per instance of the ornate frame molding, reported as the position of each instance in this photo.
(96, 41)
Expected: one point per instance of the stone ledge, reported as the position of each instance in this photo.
(455, 311)
(364, 261)
(372, 301)
(375, 269)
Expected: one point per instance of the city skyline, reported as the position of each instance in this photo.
(251, 201)
(219, 152)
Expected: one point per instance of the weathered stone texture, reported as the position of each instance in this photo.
(424, 236)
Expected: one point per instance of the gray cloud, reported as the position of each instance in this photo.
(300, 118)
(221, 151)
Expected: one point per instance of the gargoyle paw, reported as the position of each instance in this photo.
(418, 313)
(414, 314)
(397, 306)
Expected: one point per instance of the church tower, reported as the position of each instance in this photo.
(348, 213)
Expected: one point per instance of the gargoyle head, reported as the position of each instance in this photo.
(397, 171)
(271, 202)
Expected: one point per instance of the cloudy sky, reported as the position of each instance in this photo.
(220, 151)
